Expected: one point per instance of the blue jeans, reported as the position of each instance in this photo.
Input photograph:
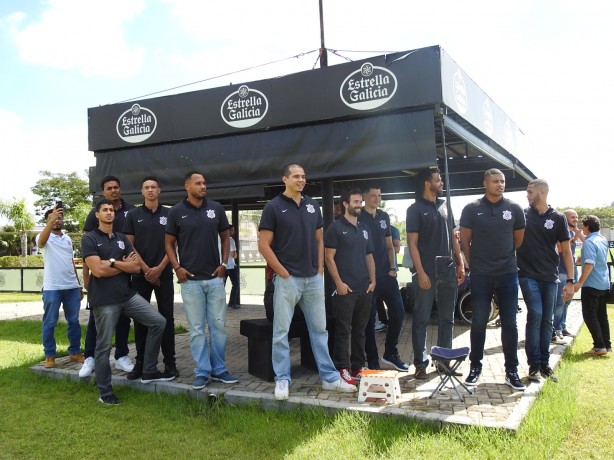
(107, 317)
(539, 297)
(505, 287)
(70, 299)
(308, 292)
(204, 304)
(560, 307)
(387, 289)
(446, 303)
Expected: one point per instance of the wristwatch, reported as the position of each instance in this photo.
(571, 280)
(112, 263)
(225, 265)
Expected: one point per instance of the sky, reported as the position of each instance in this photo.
(547, 64)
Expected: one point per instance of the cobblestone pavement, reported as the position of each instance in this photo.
(493, 404)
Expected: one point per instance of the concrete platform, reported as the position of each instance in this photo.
(494, 404)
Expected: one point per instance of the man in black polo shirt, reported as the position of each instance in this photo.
(193, 227)
(438, 264)
(349, 257)
(491, 230)
(111, 191)
(387, 286)
(145, 228)
(538, 263)
(112, 260)
(291, 241)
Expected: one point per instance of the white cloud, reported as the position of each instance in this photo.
(84, 36)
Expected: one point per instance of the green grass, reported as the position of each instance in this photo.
(16, 297)
(47, 418)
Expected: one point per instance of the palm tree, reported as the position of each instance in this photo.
(17, 214)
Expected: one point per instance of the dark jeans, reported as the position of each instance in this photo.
(121, 337)
(165, 296)
(505, 287)
(539, 297)
(351, 317)
(107, 317)
(595, 314)
(387, 288)
(233, 274)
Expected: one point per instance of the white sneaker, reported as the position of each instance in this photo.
(281, 390)
(88, 367)
(379, 326)
(124, 364)
(340, 386)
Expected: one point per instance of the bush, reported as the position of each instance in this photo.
(17, 261)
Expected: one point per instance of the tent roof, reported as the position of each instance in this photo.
(379, 119)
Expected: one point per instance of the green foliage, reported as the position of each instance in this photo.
(68, 187)
(18, 215)
(17, 261)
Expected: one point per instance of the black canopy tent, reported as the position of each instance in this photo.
(380, 119)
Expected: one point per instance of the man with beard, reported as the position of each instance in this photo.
(538, 264)
(438, 264)
(193, 228)
(349, 257)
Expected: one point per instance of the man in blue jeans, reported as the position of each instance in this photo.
(61, 286)
(192, 230)
(491, 230)
(538, 263)
(438, 263)
(111, 260)
(292, 242)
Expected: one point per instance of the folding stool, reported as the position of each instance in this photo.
(379, 384)
(447, 361)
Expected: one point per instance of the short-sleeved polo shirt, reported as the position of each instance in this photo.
(430, 221)
(379, 229)
(109, 290)
(197, 230)
(148, 229)
(91, 222)
(294, 227)
(595, 251)
(352, 244)
(537, 256)
(492, 243)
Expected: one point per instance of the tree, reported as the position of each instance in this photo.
(17, 214)
(605, 214)
(71, 189)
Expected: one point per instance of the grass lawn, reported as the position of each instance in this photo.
(47, 418)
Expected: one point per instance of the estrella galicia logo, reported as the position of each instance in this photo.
(137, 124)
(368, 87)
(244, 108)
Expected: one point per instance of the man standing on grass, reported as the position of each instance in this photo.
(291, 241)
(349, 257)
(144, 228)
(438, 264)
(538, 264)
(61, 286)
(492, 228)
(387, 287)
(111, 191)
(112, 261)
(193, 228)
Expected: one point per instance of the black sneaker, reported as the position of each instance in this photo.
(157, 377)
(566, 333)
(396, 362)
(534, 372)
(110, 400)
(171, 370)
(548, 373)
(473, 377)
(512, 380)
(137, 372)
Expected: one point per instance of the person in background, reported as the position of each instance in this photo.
(233, 271)
(61, 286)
(595, 285)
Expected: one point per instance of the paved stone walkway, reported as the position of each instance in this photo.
(494, 404)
